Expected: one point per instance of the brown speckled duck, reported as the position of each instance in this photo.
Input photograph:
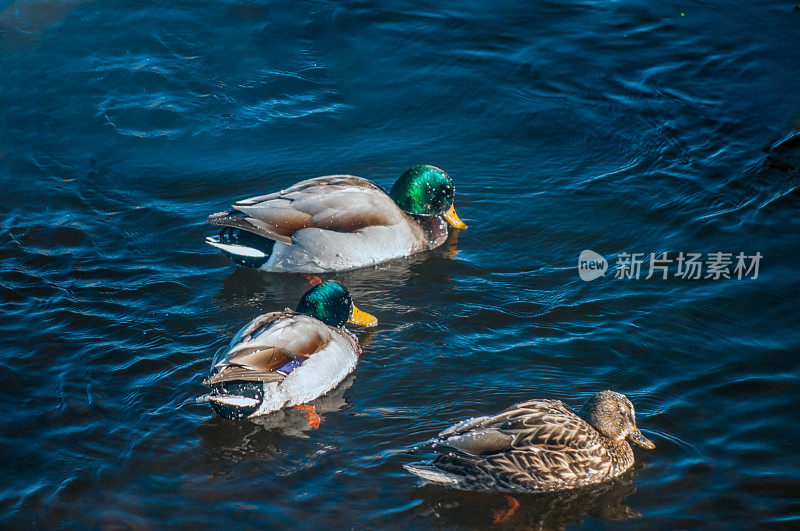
(539, 445)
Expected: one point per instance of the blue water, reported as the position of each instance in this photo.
(627, 126)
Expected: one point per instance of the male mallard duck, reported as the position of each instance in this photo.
(288, 358)
(540, 445)
(338, 222)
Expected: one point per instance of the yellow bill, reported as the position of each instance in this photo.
(453, 219)
(362, 318)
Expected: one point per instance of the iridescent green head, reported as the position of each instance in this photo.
(426, 190)
(330, 302)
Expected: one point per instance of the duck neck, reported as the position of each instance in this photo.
(621, 454)
(433, 228)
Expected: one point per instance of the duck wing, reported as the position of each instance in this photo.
(535, 445)
(341, 203)
(267, 343)
(536, 423)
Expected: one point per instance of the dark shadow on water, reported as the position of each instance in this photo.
(261, 437)
(784, 154)
(551, 510)
(22, 23)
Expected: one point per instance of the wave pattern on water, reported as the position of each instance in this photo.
(616, 127)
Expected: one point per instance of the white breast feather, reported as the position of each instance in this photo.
(318, 250)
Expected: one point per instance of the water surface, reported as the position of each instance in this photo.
(625, 126)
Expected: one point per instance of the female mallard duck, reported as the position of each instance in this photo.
(288, 358)
(540, 445)
(338, 222)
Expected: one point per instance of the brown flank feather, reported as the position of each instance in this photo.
(288, 335)
(340, 203)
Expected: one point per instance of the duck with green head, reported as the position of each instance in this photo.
(288, 358)
(339, 222)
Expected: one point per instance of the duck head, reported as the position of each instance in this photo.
(427, 190)
(331, 303)
(612, 414)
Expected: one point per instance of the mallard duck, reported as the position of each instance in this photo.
(338, 222)
(540, 445)
(288, 358)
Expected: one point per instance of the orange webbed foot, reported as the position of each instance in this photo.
(313, 280)
(504, 514)
(313, 418)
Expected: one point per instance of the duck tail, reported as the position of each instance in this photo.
(235, 400)
(242, 247)
(433, 474)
